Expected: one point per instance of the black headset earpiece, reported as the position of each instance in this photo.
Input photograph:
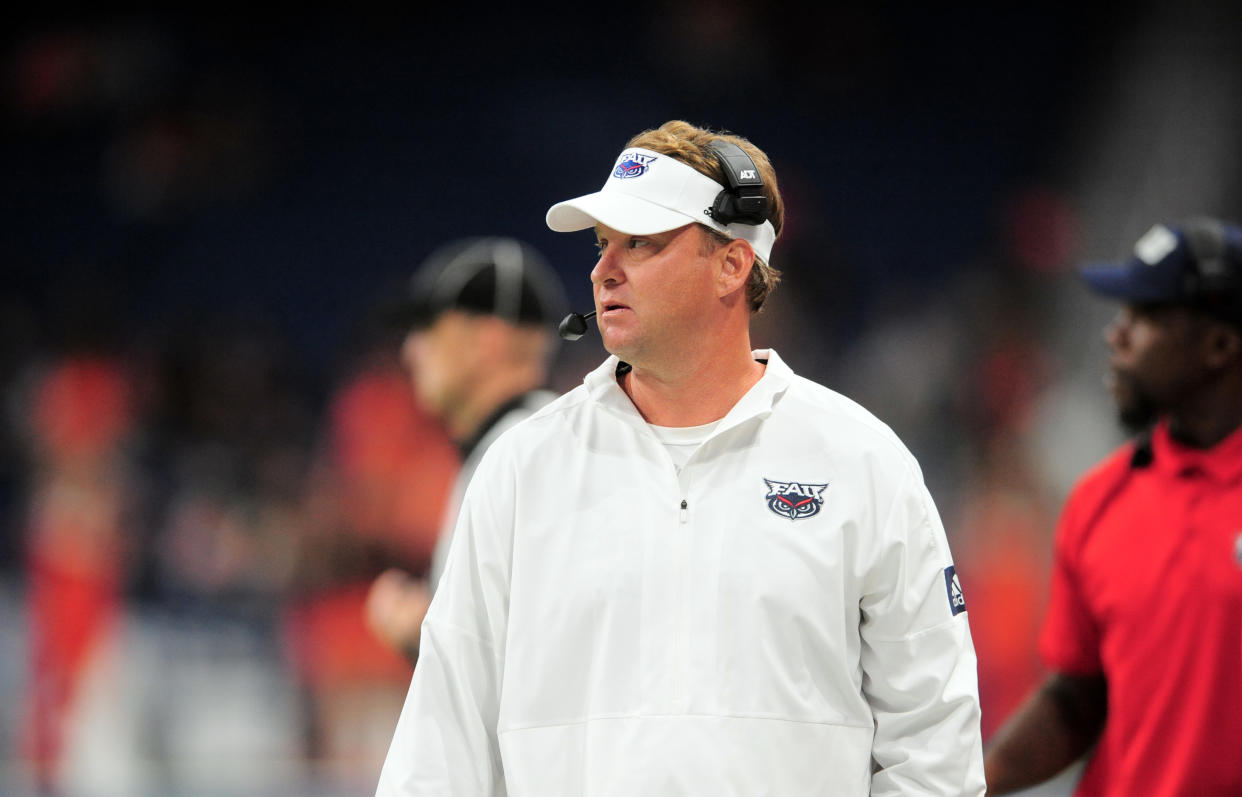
(742, 201)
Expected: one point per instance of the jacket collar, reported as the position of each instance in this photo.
(758, 402)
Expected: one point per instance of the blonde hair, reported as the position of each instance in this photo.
(690, 145)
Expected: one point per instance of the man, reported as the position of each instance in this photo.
(1143, 634)
(481, 313)
(695, 573)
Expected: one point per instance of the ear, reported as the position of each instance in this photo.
(737, 258)
(1224, 345)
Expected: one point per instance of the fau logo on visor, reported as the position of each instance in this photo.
(794, 500)
(632, 164)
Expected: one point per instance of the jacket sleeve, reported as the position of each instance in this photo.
(918, 660)
(446, 742)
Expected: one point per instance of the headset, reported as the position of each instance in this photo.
(743, 200)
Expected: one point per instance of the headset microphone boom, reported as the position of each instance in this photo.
(574, 326)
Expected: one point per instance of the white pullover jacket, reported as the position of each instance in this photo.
(781, 617)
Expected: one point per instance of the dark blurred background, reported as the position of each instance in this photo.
(208, 447)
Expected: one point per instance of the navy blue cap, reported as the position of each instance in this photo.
(1196, 263)
(495, 276)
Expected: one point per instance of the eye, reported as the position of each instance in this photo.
(634, 243)
(600, 245)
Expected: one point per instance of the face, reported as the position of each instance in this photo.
(652, 292)
(440, 360)
(1154, 363)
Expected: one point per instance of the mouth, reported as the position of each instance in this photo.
(1116, 380)
(612, 307)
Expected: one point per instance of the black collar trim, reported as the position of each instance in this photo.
(467, 447)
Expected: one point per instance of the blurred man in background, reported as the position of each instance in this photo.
(481, 315)
(1144, 629)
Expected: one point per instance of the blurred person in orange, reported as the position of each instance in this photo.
(480, 314)
(1004, 518)
(81, 415)
(1143, 630)
(374, 497)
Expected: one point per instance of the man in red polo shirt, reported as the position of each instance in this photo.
(1143, 634)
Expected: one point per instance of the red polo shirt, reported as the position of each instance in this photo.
(1147, 588)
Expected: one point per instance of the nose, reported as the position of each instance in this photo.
(1115, 331)
(606, 268)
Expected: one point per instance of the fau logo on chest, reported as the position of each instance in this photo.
(795, 500)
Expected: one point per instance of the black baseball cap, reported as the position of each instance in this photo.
(1197, 263)
(495, 276)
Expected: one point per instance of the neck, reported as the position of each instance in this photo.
(466, 417)
(1211, 417)
(698, 390)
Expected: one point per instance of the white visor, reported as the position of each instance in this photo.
(649, 192)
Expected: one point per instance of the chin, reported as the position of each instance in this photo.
(618, 345)
(1137, 413)
(1136, 410)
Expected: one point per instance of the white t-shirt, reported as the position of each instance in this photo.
(681, 441)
